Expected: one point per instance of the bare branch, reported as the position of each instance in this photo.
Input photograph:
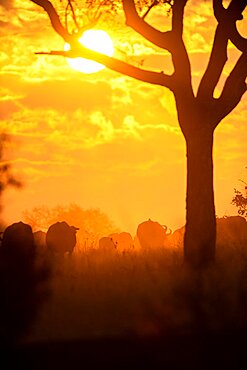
(179, 53)
(66, 17)
(70, 6)
(219, 9)
(73, 13)
(72, 39)
(229, 17)
(116, 65)
(54, 18)
(137, 23)
(226, 30)
(215, 66)
(234, 88)
(234, 10)
(112, 63)
(177, 17)
(239, 41)
(171, 40)
(154, 3)
(218, 56)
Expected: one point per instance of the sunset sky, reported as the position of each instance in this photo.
(105, 140)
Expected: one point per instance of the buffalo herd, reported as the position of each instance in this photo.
(60, 238)
(29, 258)
(19, 238)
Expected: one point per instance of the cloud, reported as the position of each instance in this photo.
(67, 95)
(7, 108)
(136, 129)
(131, 127)
(7, 4)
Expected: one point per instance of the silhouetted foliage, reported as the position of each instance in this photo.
(78, 15)
(240, 200)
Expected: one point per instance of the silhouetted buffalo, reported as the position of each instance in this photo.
(122, 240)
(40, 242)
(176, 239)
(106, 244)
(151, 234)
(232, 230)
(23, 282)
(61, 238)
(18, 240)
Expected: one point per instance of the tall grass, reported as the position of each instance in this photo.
(142, 293)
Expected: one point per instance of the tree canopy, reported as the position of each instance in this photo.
(92, 223)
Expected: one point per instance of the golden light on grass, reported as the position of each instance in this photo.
(96, 40)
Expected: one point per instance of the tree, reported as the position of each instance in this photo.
(199, 113)
(92, 223)
(240, 200)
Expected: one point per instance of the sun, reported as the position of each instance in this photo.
(96, 40)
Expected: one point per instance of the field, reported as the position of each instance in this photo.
(140, 308)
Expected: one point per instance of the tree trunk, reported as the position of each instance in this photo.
(200, 231)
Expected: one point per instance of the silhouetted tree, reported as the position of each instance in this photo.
(92, 222)
(240, 200)
(199, 113)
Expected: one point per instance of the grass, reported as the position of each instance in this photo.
(140, 293)
(142, 308)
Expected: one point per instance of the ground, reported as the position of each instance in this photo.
(193, 352)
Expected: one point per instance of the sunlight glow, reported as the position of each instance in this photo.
(96, 40)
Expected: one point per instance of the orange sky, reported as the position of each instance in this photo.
(104, 140)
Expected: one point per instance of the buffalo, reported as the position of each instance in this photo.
(106, 244)
(18, 241)
(61, 238)
(176, 239)
(40, 242)
(23, 282)
(232, 230)
(123, 241)
(151, 234)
